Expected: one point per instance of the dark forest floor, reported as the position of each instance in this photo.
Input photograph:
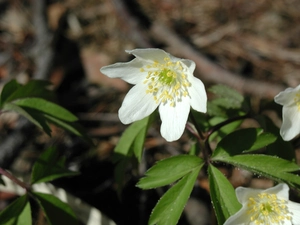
(254, 40)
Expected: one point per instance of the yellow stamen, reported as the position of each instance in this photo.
(167, 81)
(267, 209)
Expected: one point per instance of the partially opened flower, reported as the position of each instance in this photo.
(161, 80)
(265, 207)
(290, 99)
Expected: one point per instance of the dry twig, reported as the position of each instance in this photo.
(209, 71)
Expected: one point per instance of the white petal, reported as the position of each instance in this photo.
(136, 105)
(243, 194)
(294, 208)
(239, 218)
(281, 190)
(290, 124)
(130, 71)
(198, 95)
(189, 64)
(286, 97)
(149, 54)
(173, 119)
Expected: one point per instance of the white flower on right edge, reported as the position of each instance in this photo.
(290, 100)
(265, 207)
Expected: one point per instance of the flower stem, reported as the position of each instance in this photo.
(196, 126)
(14, 179)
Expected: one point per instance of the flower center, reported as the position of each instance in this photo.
(297, 100)
(268, 209)
(167, 82)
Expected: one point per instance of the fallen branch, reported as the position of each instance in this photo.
(209, 71)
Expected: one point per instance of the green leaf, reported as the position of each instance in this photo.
(276, 148)
(241, 141)
(25, 217)
(34, 88)
(49, 167)
(169, 208)
(132, 140)
(268, 166)
(72, 127)
(227, 97)
(32, 115)
(169, 170)
(46, 107)
(10, 213)
(215, 110)
(224, 130)
(8, 89)
(1, 181)
(130, 148)
(56, 211)
(223, 196)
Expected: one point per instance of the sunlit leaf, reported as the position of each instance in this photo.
(132, 140)
(223, 196)
(25, 217)
(224, 130)
(34, 88)
(169, 208)
(129, 148)
(9, 215)
(169, 170)
(46, 107)
(71, 127)
(33, 116)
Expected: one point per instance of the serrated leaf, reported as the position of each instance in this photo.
(10, 213)
(223, 196)
(169, 208)
(228, 98)
(33, 116)
(169, 170)
(49, 167)
(241, 141)
(46, 107)
(8, 89)
(268, 166)
(56, 211)
(34, 88)
(25, 217)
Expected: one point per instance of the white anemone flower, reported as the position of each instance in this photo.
(290, 99)
(160, 80)
(265, 207)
